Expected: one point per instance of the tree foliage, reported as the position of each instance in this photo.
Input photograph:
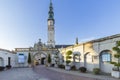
(68, 57)
(29, 58)
(117, 55)
(118, 43)
(49, 58)
(69, 53)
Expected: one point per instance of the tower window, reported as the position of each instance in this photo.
(51, 23)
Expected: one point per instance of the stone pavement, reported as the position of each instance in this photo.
(59, 74)
(19, 74)
(48, 73)
(89, 75)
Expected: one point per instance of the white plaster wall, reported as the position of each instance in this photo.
(77, 64)
(97, 48)
(106, 67)
(5, 55)
(26, 58)
(105, 45)
(80, 50)
(89, 64)
(1, 61)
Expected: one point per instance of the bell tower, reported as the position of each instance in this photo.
(51, 31)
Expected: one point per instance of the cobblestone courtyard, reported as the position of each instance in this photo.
(19, 74)
(38, 73)
(53, 75)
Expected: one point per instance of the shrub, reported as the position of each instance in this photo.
(61, 66)
(73, 67)
(96, 70)
(8, 66)
(36, 63)
(83, 69)
(68, 61)
(115, 69)
(52, 65)
(68, 57)
(2, 68)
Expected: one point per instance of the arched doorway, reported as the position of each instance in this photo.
(88, 61)
(1, 61)
(40, 58)
(43, 61)
(104, 61)
(43, 58)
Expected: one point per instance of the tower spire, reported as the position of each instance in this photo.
(76, 40)
(51, 13)
(50, 1)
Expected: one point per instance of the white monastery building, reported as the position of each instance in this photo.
(92, 54)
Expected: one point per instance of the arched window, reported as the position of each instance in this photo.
(106, 56)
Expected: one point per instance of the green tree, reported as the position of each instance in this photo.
(117, 55)
(29, 58)
(49, 58)
(68, 57)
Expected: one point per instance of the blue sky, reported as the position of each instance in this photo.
(23, 22)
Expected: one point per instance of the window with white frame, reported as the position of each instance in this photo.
(106, 56)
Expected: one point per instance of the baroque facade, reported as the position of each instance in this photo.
(39, 53)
